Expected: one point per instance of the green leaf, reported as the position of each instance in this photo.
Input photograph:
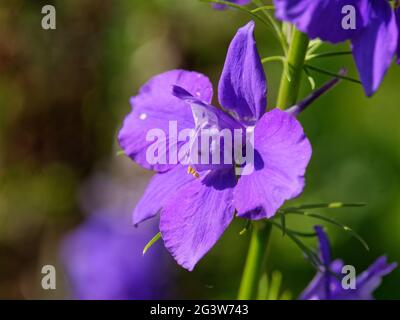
(274, 59)
(280, 35)
(120, 153)
(151, 242)
(327, 55)
(328, 205)
(270, 288)
(309, 253)
(232, 5)
(275, 286)
(269, 22)
(334, 222)
(263, 288)
(310, 79)
(330, 73)
(270, 7)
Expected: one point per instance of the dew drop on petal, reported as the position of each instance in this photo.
(143, 116)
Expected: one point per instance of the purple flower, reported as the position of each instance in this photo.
(327, 284)
(220, 6)
(103, 256)
(103, 261)
(196, 208)
(374, 36)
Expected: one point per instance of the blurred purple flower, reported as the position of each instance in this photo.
(327, 284)
(220, 6)
(103, 256)
(196, 211)
(374, 38)
(104, 261)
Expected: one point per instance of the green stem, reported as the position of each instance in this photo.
(288, 93)
(255, 260)
(291, 77)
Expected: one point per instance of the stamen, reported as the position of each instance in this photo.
(193, 172)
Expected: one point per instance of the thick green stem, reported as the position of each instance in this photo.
(291, 77)
(289, 90)
(255, 260)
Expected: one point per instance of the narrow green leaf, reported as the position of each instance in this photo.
(334, 222)
(330, 73)
(314, 46)
(309, 253)
(151, 242)
(275, 286)
(327, 55)
(310, 79)
(329, 205)
(274, 59)
(270, 7)
(281, 37)
(263, 288)
(241, 8)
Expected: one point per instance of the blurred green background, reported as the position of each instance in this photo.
(64, 93)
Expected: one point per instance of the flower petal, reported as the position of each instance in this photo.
(284, 153)
(324, 247)
(370, 279)
(161, 187)
(243, 85)
(322, 18)
(375, 46)
(193, 219)
(213, 140)
(316, 290)
(154, 107)
(398, 28)
(325, 253)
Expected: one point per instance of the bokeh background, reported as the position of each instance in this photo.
(63, 95)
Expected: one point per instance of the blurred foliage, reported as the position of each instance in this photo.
(64, 93)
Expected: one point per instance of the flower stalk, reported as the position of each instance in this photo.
(291, 77)
(255, 260)
(288, 93)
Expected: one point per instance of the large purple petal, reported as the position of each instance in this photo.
(243, 85)
(375, 46)
(161, 187)
(154, 107)
(194, 218)
(283, 155)
(322, 18)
